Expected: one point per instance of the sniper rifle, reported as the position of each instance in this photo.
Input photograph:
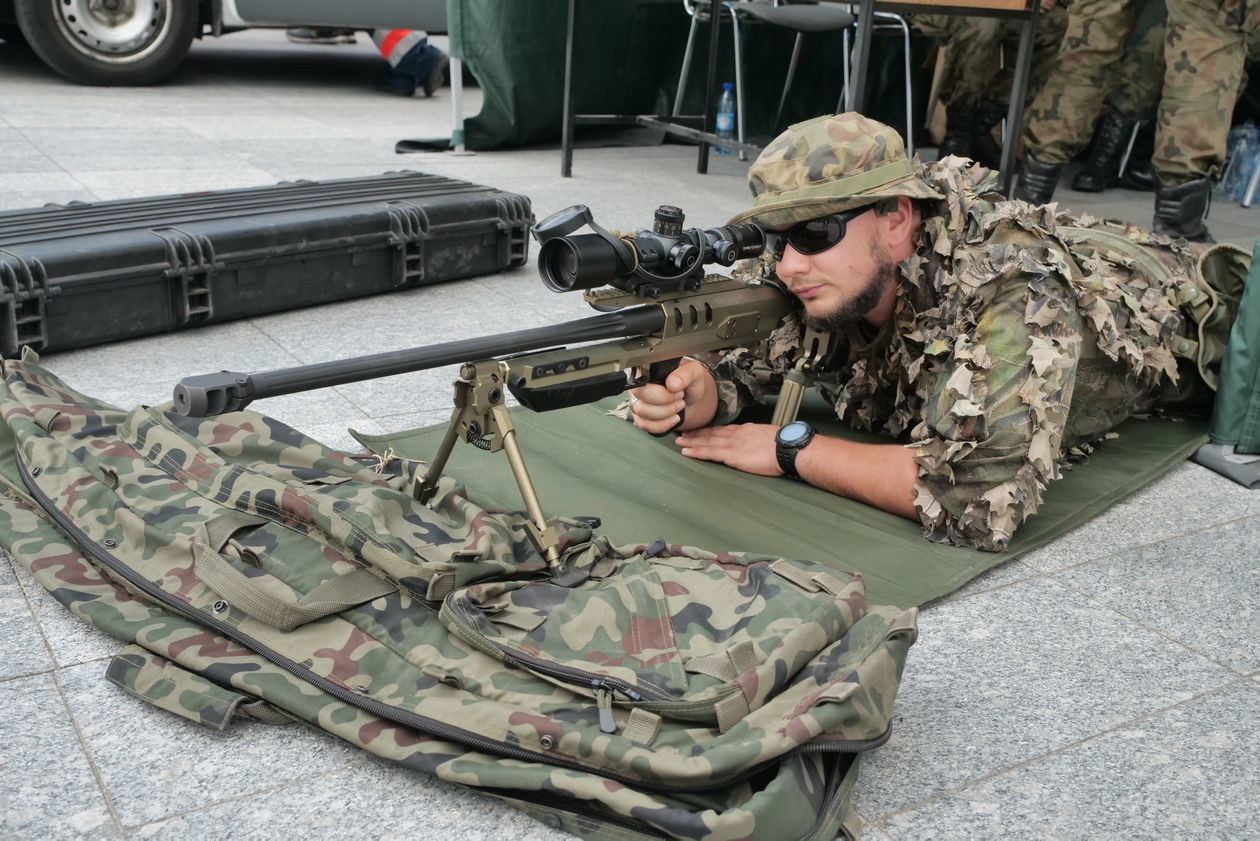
(657, 307)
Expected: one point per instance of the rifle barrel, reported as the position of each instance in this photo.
(228, 391)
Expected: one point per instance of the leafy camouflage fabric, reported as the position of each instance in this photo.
(1018, 341)
(651, 690)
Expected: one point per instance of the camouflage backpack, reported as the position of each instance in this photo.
(652, 690)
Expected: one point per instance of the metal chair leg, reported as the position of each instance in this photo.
(739, 82)
(686, 66)
(791, 73)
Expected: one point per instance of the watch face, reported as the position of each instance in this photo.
(793, 432)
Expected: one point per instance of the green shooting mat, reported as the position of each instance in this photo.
(584, 461)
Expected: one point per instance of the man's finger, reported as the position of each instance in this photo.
(685, 375)
(657, 427)
(648, 410)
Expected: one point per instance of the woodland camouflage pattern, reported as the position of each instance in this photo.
(1019, 339)
(723, 664)
(1206, 42)
(826, 165)
(1209, 38)
(972, 68)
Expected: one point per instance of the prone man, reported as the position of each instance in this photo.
(989, 339)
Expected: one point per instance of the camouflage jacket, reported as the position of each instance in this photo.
(1018, 339)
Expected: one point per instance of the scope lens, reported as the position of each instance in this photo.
(585, 261)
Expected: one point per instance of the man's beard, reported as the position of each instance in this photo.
(856, 308)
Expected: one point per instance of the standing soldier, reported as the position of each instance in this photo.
(1062, 116)
(1205, 52)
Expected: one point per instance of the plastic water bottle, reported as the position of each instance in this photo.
(726, 117)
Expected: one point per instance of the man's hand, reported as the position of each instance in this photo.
(690, 387)
(745, 446)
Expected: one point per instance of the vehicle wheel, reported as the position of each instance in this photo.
(109, 42)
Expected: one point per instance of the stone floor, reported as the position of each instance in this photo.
(1102, 687)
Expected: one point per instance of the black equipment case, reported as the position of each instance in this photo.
(82, 274)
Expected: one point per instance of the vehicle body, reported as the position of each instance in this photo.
(141, 42)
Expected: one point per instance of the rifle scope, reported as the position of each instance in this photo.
(668, 258)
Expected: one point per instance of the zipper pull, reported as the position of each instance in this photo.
(603, 701)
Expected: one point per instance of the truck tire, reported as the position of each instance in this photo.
(110, 42)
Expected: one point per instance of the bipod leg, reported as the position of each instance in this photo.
(424, 489)
(541, 530)
(813, 349)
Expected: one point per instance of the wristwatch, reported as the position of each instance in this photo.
(790, 440)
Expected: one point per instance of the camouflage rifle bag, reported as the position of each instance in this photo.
(648, 691)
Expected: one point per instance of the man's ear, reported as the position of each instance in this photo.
(900, 222)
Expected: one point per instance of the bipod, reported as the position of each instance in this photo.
(481, 418)
(813, 350)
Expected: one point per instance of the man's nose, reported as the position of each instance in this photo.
(791, 263)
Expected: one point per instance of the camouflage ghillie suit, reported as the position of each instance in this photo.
(1017, 338)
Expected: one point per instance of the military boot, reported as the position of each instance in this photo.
(1037, 181)
(1180, 210)
(959, 131)
(985, 148)
(1139, 172)
(1102, 170)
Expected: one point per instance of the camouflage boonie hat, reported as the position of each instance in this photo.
(826, 165)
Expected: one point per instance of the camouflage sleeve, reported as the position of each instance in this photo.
(994, 420)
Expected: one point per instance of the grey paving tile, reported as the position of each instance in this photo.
(99, 115)
(1000, 576)
(17, 154)
(1199, 590)
(25, 651)
(47, 788)
(69, 639)
(155, 764)
(1190, 772)
(26, 199)
(1006, 676)
(375, 800)
(129, 184)
(1184, 500)
(51, 179)
(92, 150)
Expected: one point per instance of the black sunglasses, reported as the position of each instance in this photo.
(814, 236)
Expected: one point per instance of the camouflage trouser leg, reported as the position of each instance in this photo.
(972, 60)
(1140, 78)
(1062, 116)
(971, 71)
(1205, 51)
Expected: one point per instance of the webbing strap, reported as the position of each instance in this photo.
(743, 656)
(795, 574)
(524, 620)
(810, 582)
(838, 691)
(713, 665)
(284, 611)
(642, 727)
(219, 530)
(441, 583)
(731, 710)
